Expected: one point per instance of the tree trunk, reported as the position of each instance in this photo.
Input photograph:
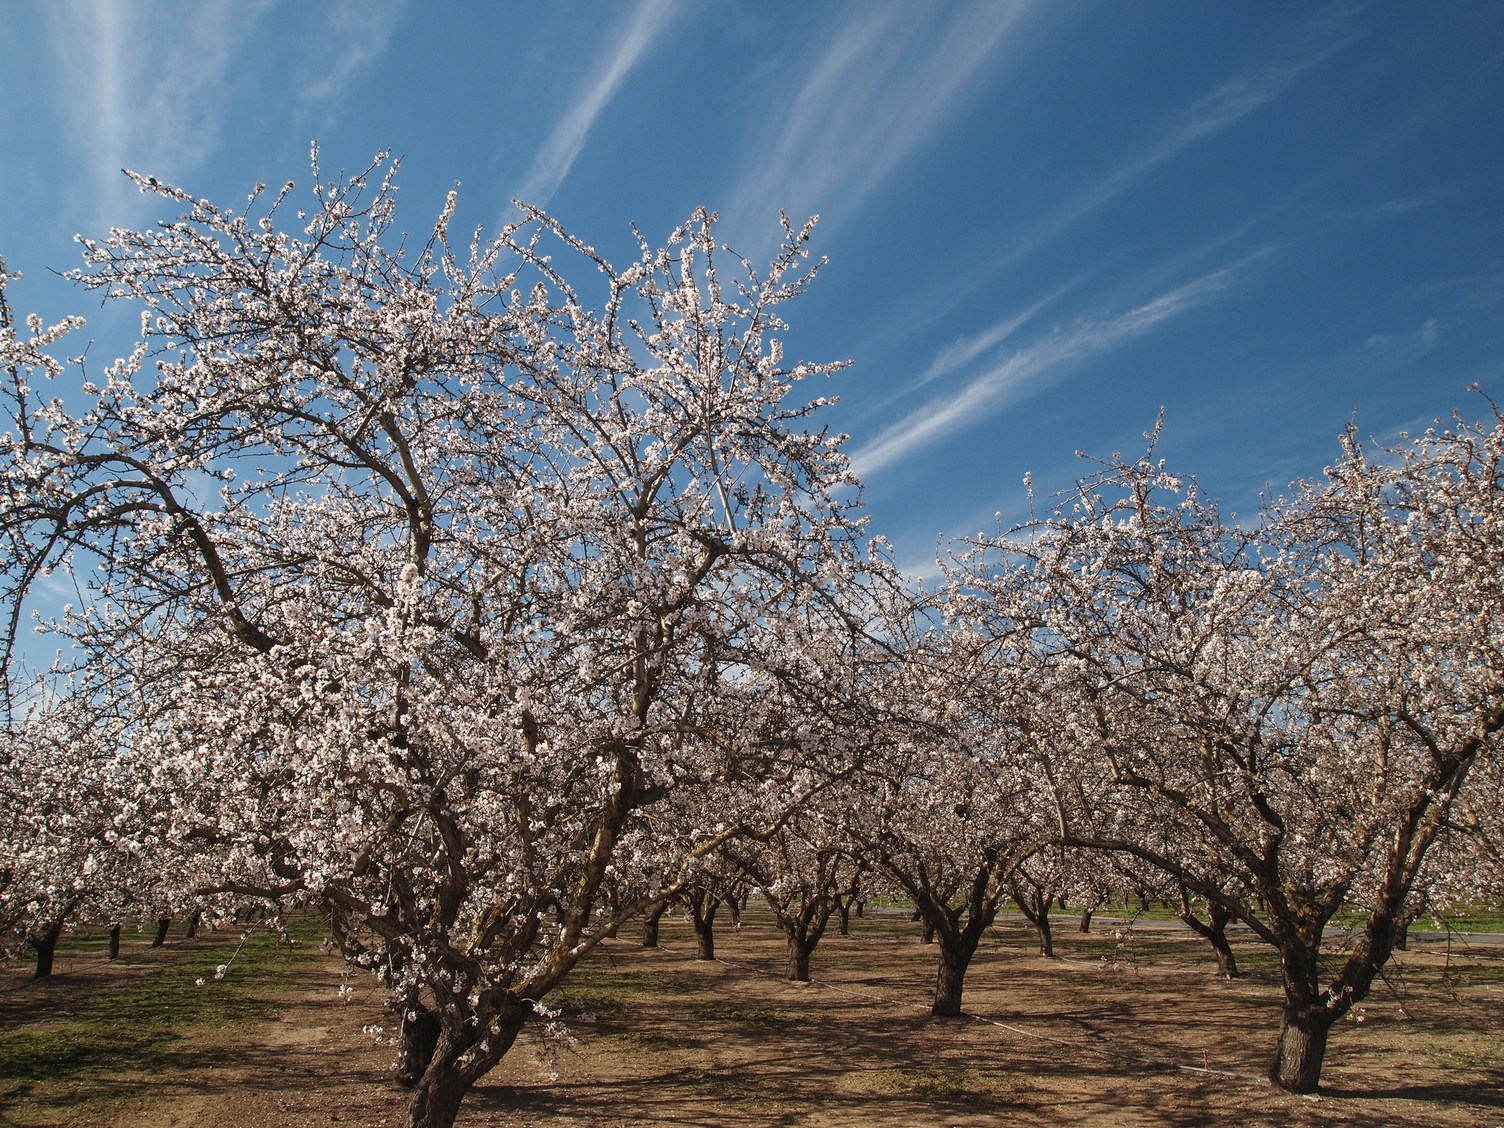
(449, 1074)
(44, 942)
(1402, 930)
(704, 921)
(1227, 963)
(436, 1098)
(1086, 915)
(650, 926)
(1036, 909)
(843, 909)
(929, 933)
(193, 923)
(419, 1036)
(163, 924)
(114, 949)
(798, 960)
(1302, 1048)
(1214, 931)
(1046, 935)
(955, 957)
(861, 906)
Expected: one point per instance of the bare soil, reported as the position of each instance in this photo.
(1131, 1031)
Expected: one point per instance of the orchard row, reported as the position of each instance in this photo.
(487, 604)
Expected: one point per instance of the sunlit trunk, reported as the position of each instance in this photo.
(1302, 1048)
(956, 952)
(1214, 931)
(461, 1056)
(1036, 909)
(1086, 914)
(1046, 936)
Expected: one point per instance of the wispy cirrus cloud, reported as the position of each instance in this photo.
(138, 96)
(889, 73)
(355, 33)
(1028, 369)
(1209, 115)
(153, 87)
(623, 51)
(962, 352)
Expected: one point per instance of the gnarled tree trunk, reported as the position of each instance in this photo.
(1035, 905)
(1213, 930)
(702, 915)
(799, 951)
(650, 925)
(44, 942)
(956, 950)
(461, 1054)
(419, 1035)
(1302, 1048)
(1087, 912)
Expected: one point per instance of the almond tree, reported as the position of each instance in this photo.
(68, 848)
(717, 882)
(1283, 718)
(954, 809)
(48, 835)
(803, 869)
(438, 572)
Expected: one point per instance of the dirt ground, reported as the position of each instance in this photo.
(1131, 1032)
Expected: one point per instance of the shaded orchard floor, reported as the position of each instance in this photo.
(1098, 1036)
(1101, 1036)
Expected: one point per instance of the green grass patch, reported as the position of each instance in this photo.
(145, 1026)
(1473, 1053)
(764, 1018)
(746, 1089)
(661, 983)
(1464, 918)
(653, 1041)
(957, 1086)
(597, 1003)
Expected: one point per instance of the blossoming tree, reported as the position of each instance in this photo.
(1284, 718)
(439, 572)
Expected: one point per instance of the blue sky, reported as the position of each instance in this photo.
(1044, 220)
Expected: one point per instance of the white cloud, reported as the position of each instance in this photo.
(152, 87)
(1408, 345)
(961, 352)
(1028, 368)
(878, 88)
(552, 163)
(1204, 118)
(145, 85)
(355, 33)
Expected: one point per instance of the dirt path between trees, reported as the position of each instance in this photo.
(311, 1065)
(1114, 1033)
